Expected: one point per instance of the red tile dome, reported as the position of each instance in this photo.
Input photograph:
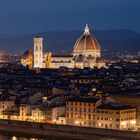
(86, 42)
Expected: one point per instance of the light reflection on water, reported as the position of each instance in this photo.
(20, 138)
(2, 137)
(10, 137)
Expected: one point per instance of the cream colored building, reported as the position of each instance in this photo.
(86, 53)
(6, 105)
(130, 100)
(24, 112)
(116, 116)
(90, 113)
(38, 52)
(37, 115)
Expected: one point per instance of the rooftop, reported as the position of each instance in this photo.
(86, 100)
(113, 106)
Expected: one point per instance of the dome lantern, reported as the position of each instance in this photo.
(86, 30)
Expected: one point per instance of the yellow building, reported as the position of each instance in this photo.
(89, 112)
(86, 53)
(24, 112)
(4, 105)
(130, 100)
(116, 116)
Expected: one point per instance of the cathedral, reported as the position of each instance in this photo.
(86, 53)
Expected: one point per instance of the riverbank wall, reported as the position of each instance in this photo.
(45, 129)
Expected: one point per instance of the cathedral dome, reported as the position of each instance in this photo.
(25, 54)
(87, 43)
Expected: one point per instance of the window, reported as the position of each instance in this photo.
(106, 112)
(71, 108)
(117, 112)
(67, 108)
(36, 48)
(84, 109)
(71, 115)
(89, 116)
(93, 110)
(106, 119)
(89, 110)
(89, 123)
(67, 114)
(84, 116)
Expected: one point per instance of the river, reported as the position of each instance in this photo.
(7, 136)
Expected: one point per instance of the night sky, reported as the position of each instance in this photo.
(28, 16)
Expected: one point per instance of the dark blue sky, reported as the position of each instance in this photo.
(27, 16)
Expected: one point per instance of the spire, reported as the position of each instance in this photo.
(86, 30)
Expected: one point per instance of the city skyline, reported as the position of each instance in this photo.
(69, 69)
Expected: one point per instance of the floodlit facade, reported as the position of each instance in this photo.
(89, 113)
(4, 105)
(86, 53)
(38, 52)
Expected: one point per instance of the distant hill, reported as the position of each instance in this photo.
(62, 42)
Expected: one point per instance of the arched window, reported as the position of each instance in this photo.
(36, 48)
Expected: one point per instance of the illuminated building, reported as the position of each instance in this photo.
(91, 113)
(38, 52)
(27, 59)
(86, 53)
(4, 105)
(24, 111)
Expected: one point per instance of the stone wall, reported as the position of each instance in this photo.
(72, 130)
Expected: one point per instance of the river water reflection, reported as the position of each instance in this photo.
(4, 137)
(8, 136)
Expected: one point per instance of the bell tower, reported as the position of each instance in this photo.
(38, 52)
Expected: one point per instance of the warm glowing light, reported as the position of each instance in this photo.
(76, 122)
(54, 120)
(133, 122)
(124, 123)
(14, 138)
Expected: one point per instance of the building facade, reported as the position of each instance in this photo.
(86, 53)
(90, 113)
